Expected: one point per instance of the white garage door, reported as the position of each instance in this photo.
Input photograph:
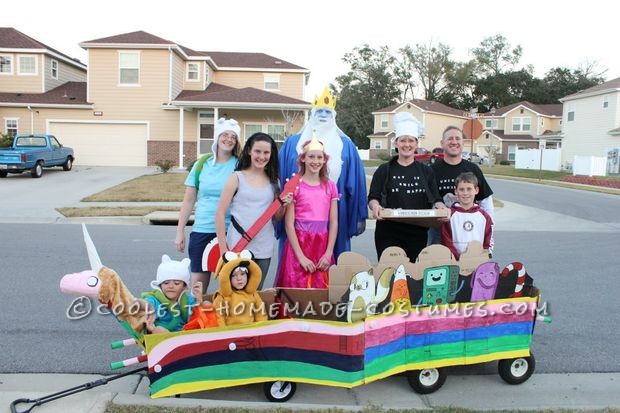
(103, 144)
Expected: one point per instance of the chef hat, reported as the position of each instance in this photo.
(406, 124)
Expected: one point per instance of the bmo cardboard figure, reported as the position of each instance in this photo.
(440, 284)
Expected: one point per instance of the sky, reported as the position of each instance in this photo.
(317, 34)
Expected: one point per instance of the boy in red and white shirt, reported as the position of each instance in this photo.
(467, 220)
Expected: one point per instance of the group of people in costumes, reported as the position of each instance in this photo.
(314, 224)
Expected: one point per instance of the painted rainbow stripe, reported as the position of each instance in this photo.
(340, 354)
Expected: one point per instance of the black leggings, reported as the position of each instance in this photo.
(410, 238)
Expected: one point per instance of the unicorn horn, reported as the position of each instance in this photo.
(93, 256)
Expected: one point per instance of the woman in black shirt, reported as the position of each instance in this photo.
(403, 183)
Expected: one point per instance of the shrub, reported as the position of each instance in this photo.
(504, 162)
(6, 140)
(164, 165)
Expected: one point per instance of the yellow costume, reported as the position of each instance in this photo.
(238, 306)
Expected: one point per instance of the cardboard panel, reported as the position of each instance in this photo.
(349, 264)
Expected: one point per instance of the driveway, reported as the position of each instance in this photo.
(24, 199)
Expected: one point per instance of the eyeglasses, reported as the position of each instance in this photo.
(228, 136)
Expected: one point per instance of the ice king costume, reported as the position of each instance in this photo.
(345, 168)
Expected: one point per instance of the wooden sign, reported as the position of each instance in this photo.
(422, 217)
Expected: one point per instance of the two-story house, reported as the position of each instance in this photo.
(591, 123)
(34, 79)
(434, 116)
(519, 126)
(147, 99)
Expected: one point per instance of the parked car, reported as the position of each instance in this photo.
(424, 155)
(33, 153)
(473, 157)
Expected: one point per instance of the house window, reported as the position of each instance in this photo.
(571, 115)
(521, 124)
(6, 64)
(275, 130)
(377, 144)
(27, 65)
(272, 82)
(54, 67)
(512, 150)
(192, 72)
(490, 124)
(384, 121)
(605, 101)
(10, 125)
(206, 74)
(129, 68)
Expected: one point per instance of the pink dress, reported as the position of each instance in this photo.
(312, 205)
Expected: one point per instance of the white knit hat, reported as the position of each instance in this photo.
(171, 270)
(222, 125)
(406, 124)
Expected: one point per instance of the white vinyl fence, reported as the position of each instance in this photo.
(530, 159)
(590, 165)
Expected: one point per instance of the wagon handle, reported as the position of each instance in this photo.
(68, 392)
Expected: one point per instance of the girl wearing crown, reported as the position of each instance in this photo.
(312, 225)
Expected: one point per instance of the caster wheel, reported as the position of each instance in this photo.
(517, 370)
(426, 381)
(279, 391)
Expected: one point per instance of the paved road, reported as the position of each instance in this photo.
(570, 256)
(591, 206)
(25, 199)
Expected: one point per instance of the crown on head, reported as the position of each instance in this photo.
(314, 144)
(325, 101)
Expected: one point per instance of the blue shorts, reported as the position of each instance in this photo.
(197, 244)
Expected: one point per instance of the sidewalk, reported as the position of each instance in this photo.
(478, 392)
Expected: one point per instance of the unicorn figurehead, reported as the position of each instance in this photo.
(86, 282)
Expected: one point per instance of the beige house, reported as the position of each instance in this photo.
(521, 125)
(591, 124)
(144, 98)
(434, 116)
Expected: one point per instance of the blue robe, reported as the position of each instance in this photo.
(352, 208)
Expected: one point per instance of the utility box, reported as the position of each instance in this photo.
(613, 161)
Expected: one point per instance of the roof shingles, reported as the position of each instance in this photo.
(70, 93)
(220, 93)
(11, 38)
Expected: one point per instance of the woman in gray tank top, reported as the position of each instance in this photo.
(249, 192)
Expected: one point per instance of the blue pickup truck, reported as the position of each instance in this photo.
(33, 153)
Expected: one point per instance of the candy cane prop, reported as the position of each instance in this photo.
(520, 277)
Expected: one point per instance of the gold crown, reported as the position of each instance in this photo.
(314, 144)
(325, 101)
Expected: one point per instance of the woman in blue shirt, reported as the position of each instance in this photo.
(204, 191)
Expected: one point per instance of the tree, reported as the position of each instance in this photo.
(461, 91)
(561, 81)
(369, 85)
(494, 55)
(504, 89)
(431, 64)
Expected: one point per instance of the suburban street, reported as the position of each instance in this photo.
(571, 253)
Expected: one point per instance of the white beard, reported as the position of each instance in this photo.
(327, 133)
